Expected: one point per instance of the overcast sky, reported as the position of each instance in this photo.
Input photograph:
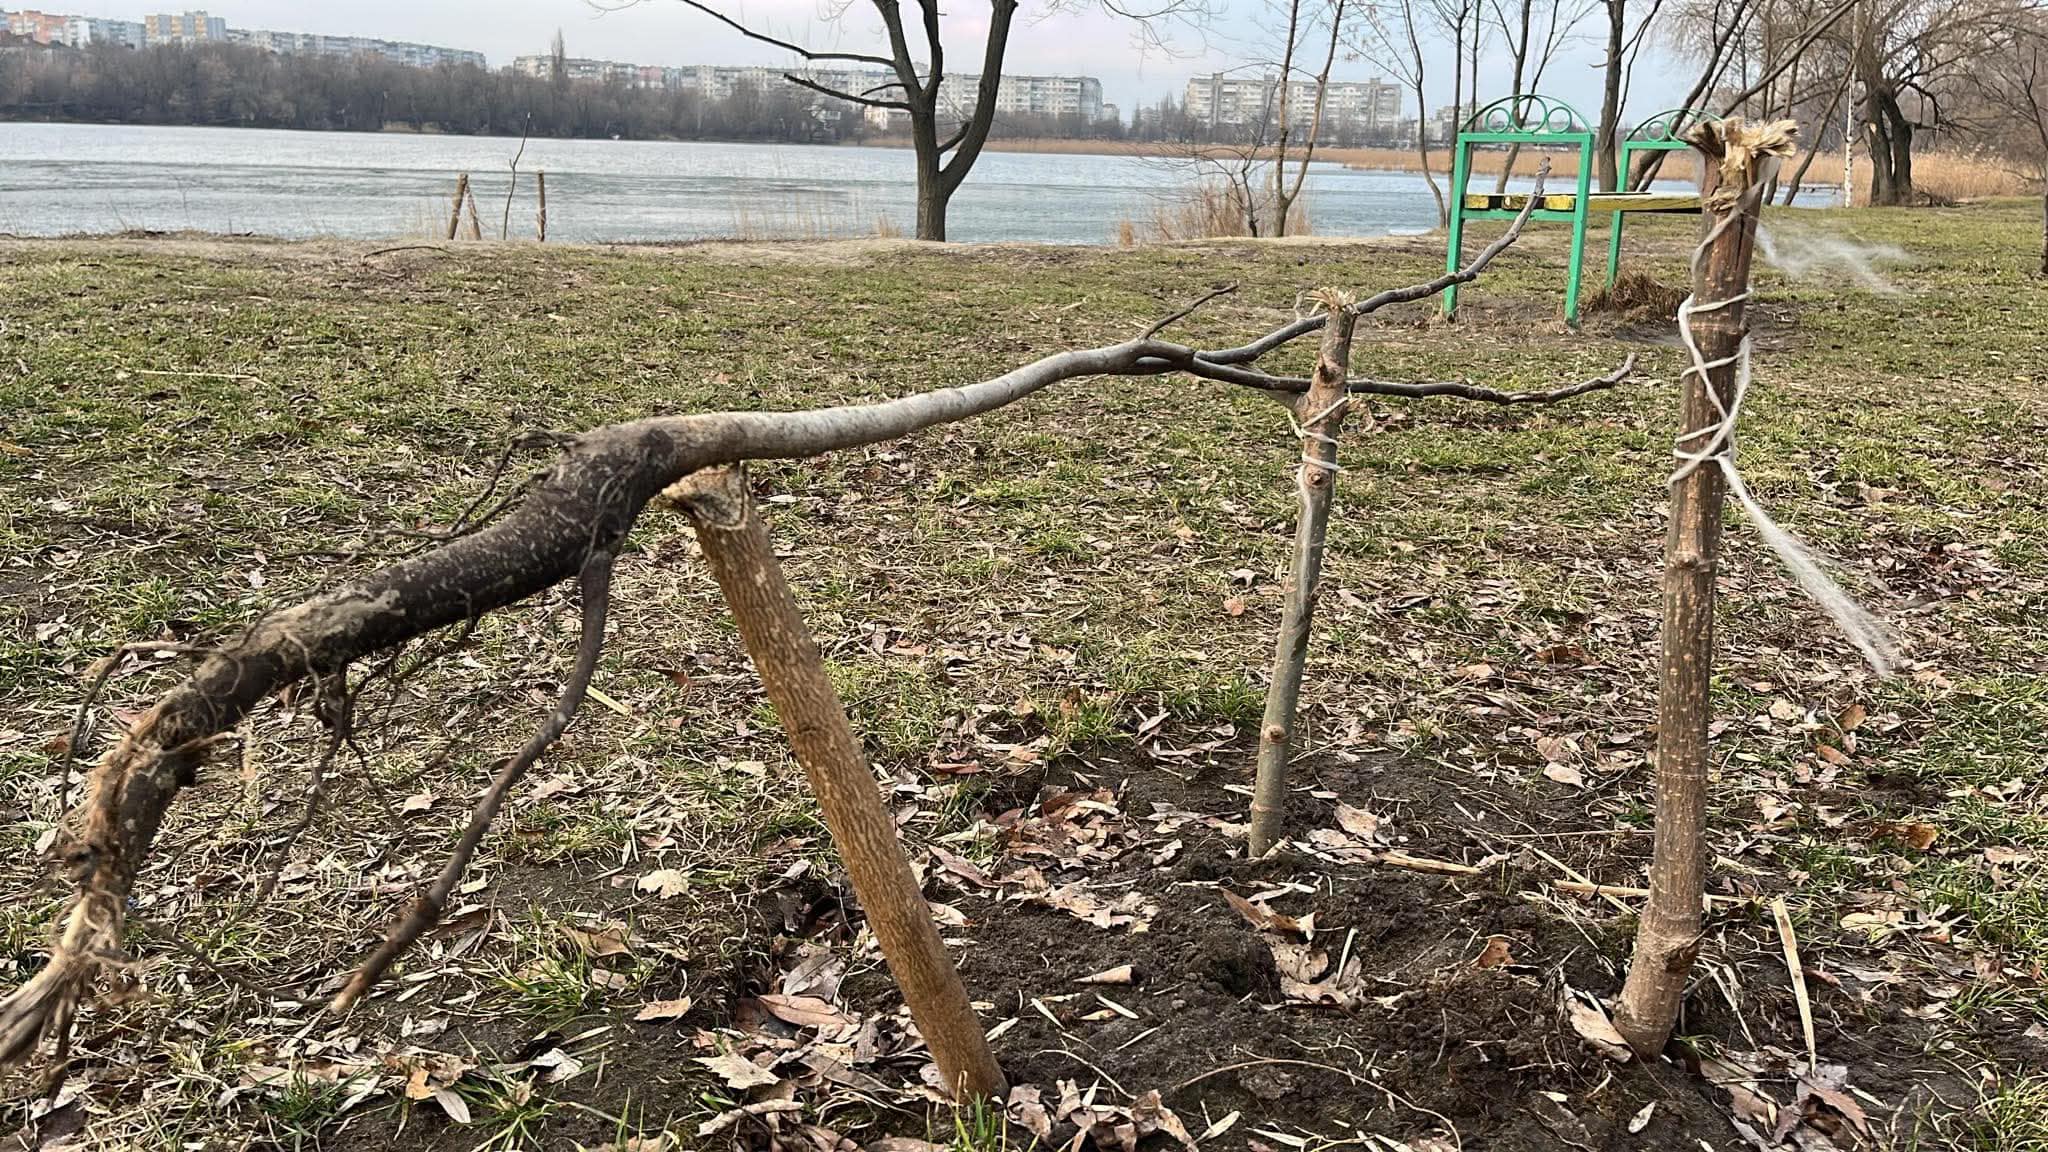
(1081, 39)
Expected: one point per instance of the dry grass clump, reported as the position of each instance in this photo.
(1207, 211)
(1636, 296)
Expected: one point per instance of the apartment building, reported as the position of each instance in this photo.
(197, 27)
(1028, 95)
(1042, 95)
(194, 27)
(1225, 101)
(353, 47)
(41, 27)
(80, 31)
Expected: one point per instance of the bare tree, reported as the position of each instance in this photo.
(1906, 55)
(1617, 71)
(945, 152)
(1264, 168)
(1725, 28)
(1286, 193)
(2011, 79)
(1397, 47)
(1535, 30)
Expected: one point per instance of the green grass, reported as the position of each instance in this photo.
(198, 431)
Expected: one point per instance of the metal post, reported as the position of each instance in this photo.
(1577, 262)
(1460, 172)
(1614, 231)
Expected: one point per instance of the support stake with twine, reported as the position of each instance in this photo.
(1741, 159)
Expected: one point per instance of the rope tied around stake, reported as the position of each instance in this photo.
(1305, 431)
(1861, 628)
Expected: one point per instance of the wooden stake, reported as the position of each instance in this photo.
(737, 548)
(540, 216)
(476, 227)
(1320, 412)
(1668, 933)
(455, 208)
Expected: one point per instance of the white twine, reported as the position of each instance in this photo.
(1307, 433)
(1863, 630)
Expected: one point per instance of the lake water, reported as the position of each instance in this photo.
(64, 178)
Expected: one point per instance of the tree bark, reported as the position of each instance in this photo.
(1668, 934)
(1320, 411)
(932, 198)
(738, 551)
(1285, 124)
(1521, 54)
(1828, 117)
(1610, 94)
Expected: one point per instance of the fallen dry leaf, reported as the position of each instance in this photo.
(737, 1071)
(727, 1119)
(1909, 833)
(1565, 774)
(603, 940)
(803, 1011)
(1267, 920)
(1641, 1120)
(664, 1009)
(455, 1106)
(1591, 1023)
(1234, 605)
(1121, 974)
(1027, 1111)
(1495, 954)
(665, 883)
(1358, 822)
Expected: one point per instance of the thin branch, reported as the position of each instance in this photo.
(836, 94)
(1186, 360)
(799, 49)
(505, 225)
(1468, 391)
(1246, 353)
(1157, 325)
(427, 909)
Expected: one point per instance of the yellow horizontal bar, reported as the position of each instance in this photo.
(1596, 202)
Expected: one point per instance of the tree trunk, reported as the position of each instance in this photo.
(1668, 934)
(1443, 206)
(1890, 144)
(1521, 53)
(932, 192)
(1280, 203)
(2044, 224)
(1320, 411)
(931, 206)
(738, 551)
(1826, 118)
(1610, 94)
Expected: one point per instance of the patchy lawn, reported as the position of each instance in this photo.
(1052, 626)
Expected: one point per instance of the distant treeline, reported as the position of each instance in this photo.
(234, 85)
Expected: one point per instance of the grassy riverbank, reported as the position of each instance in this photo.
(1945, 175)
(1076, 593)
